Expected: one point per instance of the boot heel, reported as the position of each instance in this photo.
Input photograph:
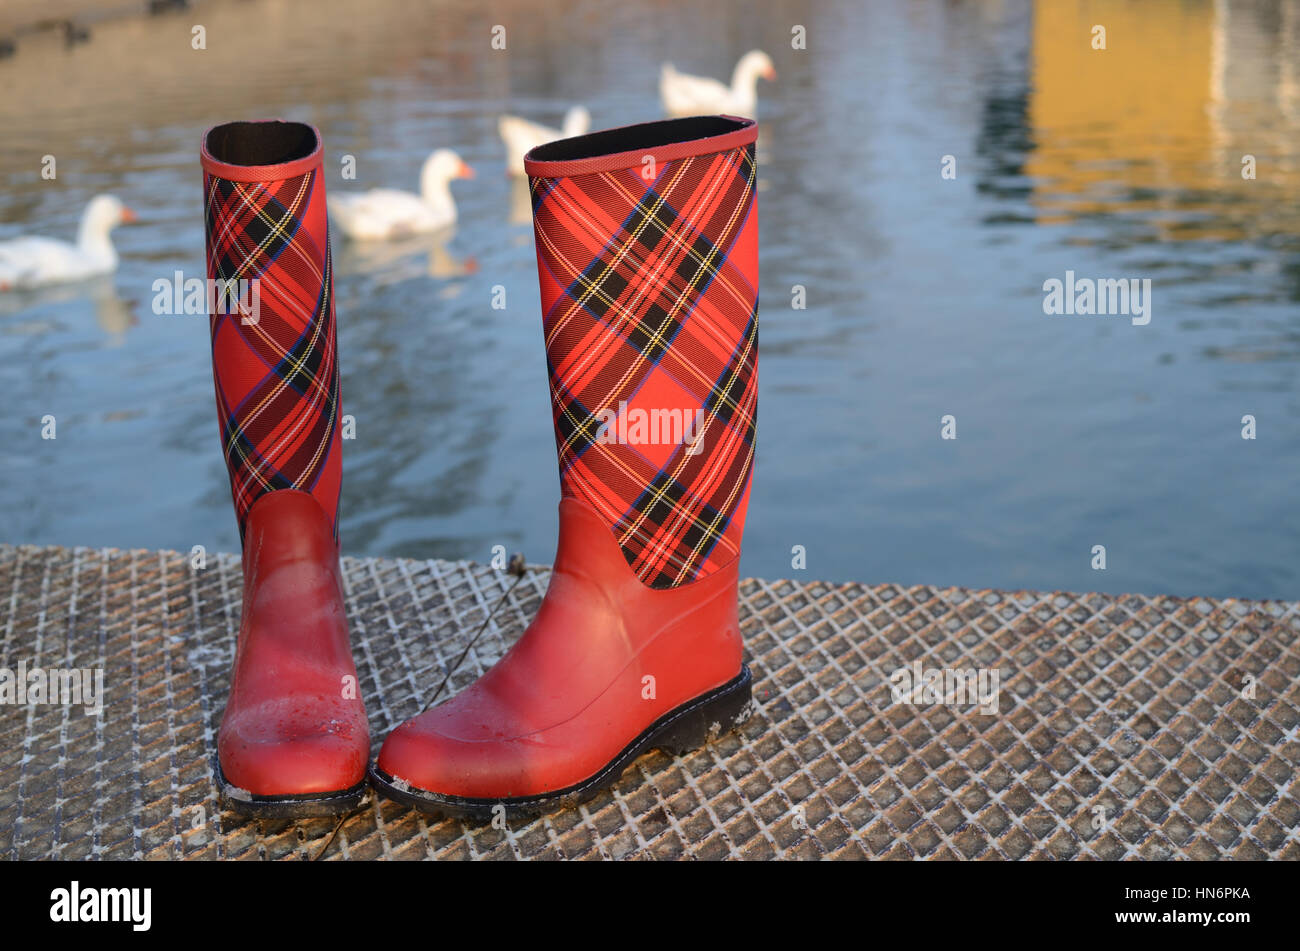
(708, 717)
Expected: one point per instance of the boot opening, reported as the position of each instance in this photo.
(636, 138)
(261, 143)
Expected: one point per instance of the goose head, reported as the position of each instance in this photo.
(102, 215)
(438, 171)
(576, 122)
(753, 66)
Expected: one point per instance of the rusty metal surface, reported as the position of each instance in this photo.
(1127, 703)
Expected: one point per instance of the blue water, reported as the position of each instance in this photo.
(923, 295)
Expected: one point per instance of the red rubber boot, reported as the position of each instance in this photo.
(647, 244)
(294, 739)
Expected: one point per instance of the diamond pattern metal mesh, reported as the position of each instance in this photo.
(1133, 704)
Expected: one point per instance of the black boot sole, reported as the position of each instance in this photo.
(300, 806)
(677, 732)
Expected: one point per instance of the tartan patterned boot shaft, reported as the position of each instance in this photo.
(647, 248)
(274, 352)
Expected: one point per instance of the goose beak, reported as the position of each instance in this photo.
(769, 74)
(129, 216)
(464, 171)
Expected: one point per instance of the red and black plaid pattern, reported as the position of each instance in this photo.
(277, 379)
(650, 301)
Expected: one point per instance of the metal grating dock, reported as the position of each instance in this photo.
(1133, 704)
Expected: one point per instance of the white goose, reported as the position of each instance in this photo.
(521, 136)
(384, 213)
(686, 95)
(29, 262)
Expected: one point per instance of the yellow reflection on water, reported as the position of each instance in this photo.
(1158, 123)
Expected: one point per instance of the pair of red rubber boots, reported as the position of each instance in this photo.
(647, 250)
